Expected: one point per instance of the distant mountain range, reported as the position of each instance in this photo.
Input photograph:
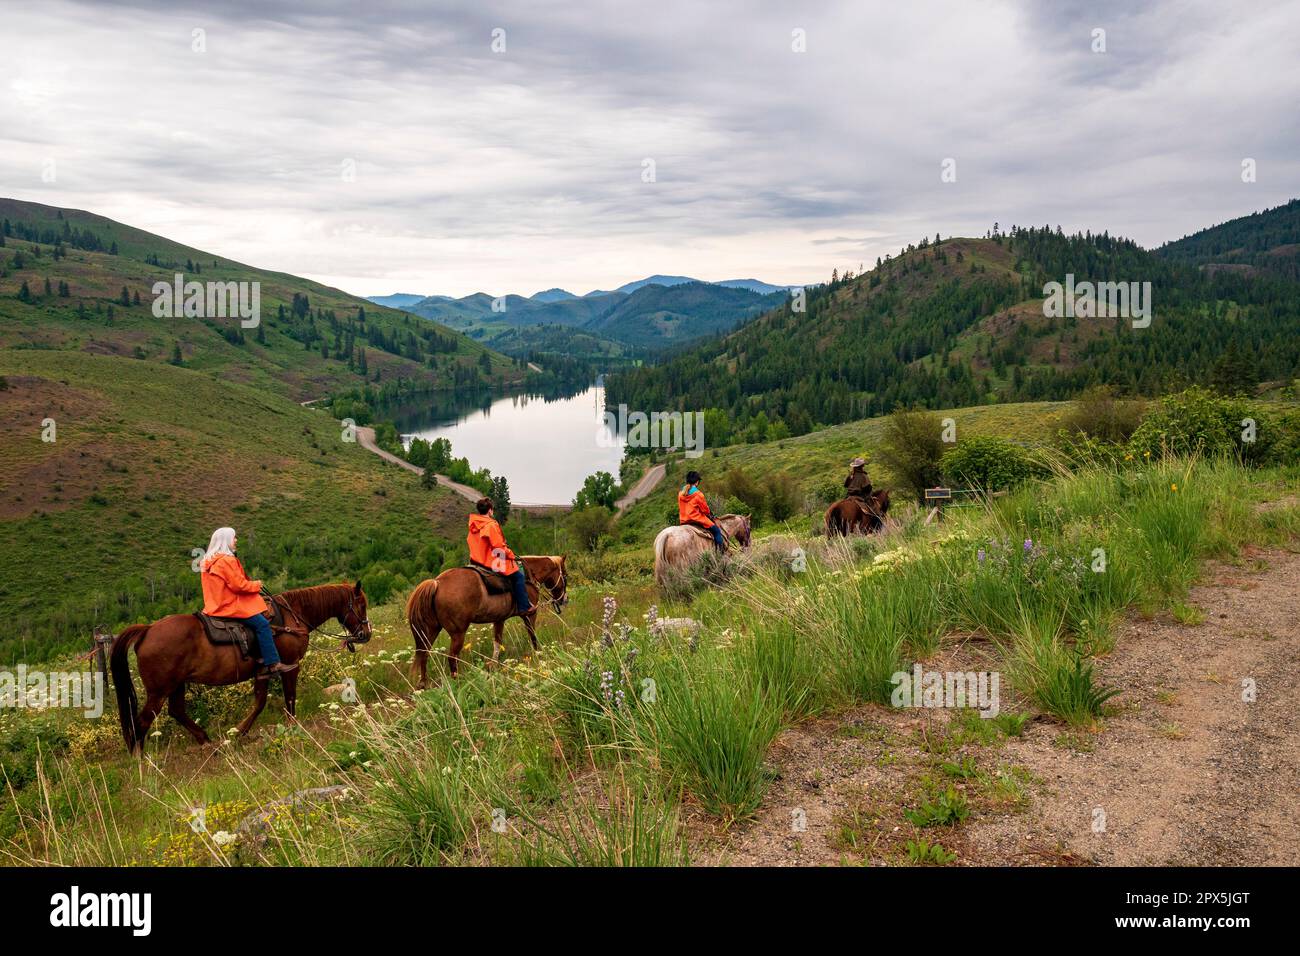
(647, 315)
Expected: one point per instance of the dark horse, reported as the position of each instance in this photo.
(458, 598)
(848, 515)
(175, 651)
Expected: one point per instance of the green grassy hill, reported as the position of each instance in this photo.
(312, 339)
(98, 525)
(165, 428)
(817, 463)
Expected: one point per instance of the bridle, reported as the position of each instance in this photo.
(364, 632)
(362, 635)
(563, 587)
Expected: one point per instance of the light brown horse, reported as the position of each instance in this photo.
(175, 651)
(679, 546)
(849, 515)
(458, 598)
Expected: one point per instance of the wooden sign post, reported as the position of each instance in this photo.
(936, 497)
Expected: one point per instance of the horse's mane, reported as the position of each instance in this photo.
(315, 600)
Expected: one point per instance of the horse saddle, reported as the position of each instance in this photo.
(706, 534)
(233, 630)
(495, 581)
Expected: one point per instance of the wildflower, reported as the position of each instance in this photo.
(980, 555)
(1029, 545)
(1173, 487)
(607, 684)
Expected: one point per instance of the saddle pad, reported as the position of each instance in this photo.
(705, 533)
(230, 630)
(494, 581)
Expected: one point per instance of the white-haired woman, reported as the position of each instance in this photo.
(227, 592)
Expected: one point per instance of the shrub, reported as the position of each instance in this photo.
(591, 525)
(780, 496)
(747, 491)
(1097, 414)
(1197, 421)
(988, 463)
(912, 447)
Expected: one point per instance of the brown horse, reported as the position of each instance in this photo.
(175, 651)
(678, 546)
(458, 598)
(848, 515)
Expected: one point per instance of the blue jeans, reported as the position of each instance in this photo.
(522, 603)
(265, 639)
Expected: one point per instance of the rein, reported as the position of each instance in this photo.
(361, 636)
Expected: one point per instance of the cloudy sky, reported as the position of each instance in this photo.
(388, 147)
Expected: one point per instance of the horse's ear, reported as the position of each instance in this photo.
(357, 589)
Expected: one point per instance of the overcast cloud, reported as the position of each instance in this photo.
(521, 170)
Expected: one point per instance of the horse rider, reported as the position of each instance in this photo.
(857, 485)
(487, 547)
(693, 509)
(227, 592)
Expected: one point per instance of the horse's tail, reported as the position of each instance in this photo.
(422, 614)
(661, 561)
(833, 522)
(128, 706)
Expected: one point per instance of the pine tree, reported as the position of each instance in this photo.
(501, 498)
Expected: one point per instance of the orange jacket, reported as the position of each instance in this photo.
(692, 508)
(227, 592)
(487, 545)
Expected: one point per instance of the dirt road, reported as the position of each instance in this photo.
(1198, 764)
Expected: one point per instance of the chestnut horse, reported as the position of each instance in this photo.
(458, 598)
(175, 651)
(848, 515)
(679, 546)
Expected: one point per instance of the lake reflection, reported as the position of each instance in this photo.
(544, 447)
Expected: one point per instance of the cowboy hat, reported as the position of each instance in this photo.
(857, 462)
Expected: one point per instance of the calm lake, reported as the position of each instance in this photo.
(545, 447)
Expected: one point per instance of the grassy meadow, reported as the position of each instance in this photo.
(99, 525)
(631, 733)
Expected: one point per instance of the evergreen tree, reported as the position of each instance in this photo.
(501, 498)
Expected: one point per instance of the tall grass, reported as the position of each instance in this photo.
(587, 751)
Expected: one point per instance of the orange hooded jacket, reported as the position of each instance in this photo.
(227, 592)
(487, 545)
(692, 508)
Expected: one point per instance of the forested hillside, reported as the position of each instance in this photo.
(70, 279)
(1268, 241)
(961, 322)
